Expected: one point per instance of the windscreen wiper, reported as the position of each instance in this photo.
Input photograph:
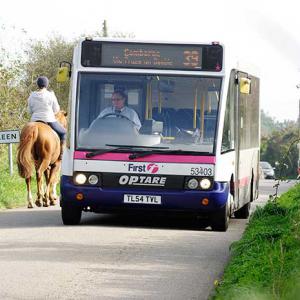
(102, 151)
(119, 148)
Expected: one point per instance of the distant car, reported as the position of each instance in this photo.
(267, 169)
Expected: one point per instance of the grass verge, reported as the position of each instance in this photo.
(265, 263)
(12, 188)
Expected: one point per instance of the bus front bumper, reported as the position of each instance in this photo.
(113, 199)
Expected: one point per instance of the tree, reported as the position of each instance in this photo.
(12, 99)
(268, 124)
(44, 58)
(281, 146)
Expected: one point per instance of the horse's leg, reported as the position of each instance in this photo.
(39, 192)
(29, 195)
(47, 176)
(38, 201)
(53, 181)
(39, 178)
(53, 194)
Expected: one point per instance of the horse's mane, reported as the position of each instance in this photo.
(61, 118)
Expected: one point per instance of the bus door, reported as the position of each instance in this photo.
(242, 173)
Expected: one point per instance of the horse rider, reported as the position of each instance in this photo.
(43, 105)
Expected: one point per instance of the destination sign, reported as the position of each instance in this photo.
(157, 56)
(152, 56)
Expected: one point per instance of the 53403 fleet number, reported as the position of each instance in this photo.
(200, 171)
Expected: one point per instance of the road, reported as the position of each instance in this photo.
(111, 257)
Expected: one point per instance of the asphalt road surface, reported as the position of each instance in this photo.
(112, 257)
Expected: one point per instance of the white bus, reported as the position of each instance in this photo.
(188, 143)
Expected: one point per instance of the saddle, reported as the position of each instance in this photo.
(49, 126)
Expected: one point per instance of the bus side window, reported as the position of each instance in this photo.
(228, 130)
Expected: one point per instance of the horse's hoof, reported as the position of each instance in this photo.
(30, 205)
(38, 203)
(53, 203)
(45, 204)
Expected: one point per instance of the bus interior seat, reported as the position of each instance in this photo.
(210, 123)
(166, 116)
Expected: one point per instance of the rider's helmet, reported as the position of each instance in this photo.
(42, 82)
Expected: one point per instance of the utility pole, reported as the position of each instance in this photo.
(104, 29)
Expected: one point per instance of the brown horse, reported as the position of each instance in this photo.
(39, 144)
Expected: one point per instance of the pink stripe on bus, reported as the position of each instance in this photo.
(244, 181)
(153, 157)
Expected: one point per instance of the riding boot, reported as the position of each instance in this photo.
(62, 147)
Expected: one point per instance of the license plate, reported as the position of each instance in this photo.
(142, 199)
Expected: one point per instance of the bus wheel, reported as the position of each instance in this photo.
(243, 212)
(220, 219)
(71, 215)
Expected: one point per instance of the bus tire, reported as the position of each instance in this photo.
(71, 215)
(243, 212)
(220, 219)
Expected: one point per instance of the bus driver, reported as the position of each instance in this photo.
(119, 108)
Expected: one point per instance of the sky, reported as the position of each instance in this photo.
(264, 34)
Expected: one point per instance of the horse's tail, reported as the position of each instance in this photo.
(29, 135)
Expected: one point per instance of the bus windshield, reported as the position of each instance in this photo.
(157, 111)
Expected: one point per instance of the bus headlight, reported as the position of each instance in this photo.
(205, 184)
(80, 178)
(192, 184)
(93, 179)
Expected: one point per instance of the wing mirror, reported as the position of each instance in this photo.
(245, 85)
(64, 72)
